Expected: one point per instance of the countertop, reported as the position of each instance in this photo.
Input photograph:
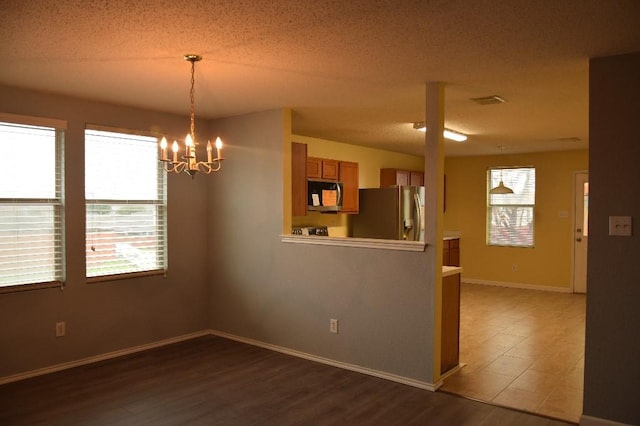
(450, 235)
(451, 270)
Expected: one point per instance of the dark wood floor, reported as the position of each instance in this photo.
(215, 381)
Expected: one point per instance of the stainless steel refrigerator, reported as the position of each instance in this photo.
(394, 213)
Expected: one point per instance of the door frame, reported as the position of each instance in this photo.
(573, 227)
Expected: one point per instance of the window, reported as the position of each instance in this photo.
(510, 217)
(31, 237)
(126, 205)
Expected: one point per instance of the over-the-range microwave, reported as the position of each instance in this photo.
(324, 195)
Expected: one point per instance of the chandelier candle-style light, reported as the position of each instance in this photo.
(188, 162)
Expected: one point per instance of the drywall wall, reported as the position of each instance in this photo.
(108, 316)
(612, 348)
(284, 294)
(549, 263)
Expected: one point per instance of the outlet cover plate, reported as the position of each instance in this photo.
(620, 226)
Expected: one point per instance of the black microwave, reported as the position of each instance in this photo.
(324, 195)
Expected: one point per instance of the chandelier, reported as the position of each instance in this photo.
(188, 162)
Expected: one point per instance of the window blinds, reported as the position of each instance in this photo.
(510, 217)
(125, 192)
(31, 209)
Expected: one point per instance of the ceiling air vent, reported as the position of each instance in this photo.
(488, 100)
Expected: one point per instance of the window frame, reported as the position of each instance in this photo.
(57, 202)
(526, 191)
(160, 205)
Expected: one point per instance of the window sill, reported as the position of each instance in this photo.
(13, 288)
(125, 276)
(370, 243)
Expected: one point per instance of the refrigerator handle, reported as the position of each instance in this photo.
(418, 226)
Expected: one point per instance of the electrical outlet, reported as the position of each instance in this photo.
(61, 329)
(620, 226)
(333, 326)
(514, 267)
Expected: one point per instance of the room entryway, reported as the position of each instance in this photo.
(522, 349)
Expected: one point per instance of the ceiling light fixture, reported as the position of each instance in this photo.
(488, 100)
(449, 134)
(188, 163)
(501, 189)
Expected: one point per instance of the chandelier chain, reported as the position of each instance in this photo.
(192, 111)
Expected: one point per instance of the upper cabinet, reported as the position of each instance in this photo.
(298, 179)
(349, 179)
(400, 177)
(304, 168)
(322, 168)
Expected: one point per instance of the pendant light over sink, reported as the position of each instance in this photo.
(501, 189)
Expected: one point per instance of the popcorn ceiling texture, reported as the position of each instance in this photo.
(353, 71)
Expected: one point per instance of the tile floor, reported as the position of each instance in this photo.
(522, 349)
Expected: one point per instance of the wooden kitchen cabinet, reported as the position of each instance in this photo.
(349, 178)
(450, 353)
(304, 168)
(322, 168)
(400, 177)
(298, 179)
(451, 252)
(416, 178)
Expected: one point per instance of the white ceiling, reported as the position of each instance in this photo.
(351, 70)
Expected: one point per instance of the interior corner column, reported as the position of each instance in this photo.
(433, 211)
(434, 162)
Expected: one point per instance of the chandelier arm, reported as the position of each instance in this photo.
(174, 167)
(211, 167)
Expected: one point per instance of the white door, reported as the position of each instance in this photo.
(581, 232)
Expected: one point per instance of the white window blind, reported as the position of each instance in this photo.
(126, 204)
(31, 210)
(510, 217)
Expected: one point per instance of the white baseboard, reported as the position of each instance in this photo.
(595, 421)
(345, 366)
(102, 357)
(381, 374)
(517, 285)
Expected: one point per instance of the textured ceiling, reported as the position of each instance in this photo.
(352, 71)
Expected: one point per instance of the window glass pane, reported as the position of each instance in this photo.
(118, 166)
(510, 217)
(29, 244)
(125, 204)
(35, 145)
(123, 238)
(585, 212)
(30, 206)
(521, 180)
(511, 226)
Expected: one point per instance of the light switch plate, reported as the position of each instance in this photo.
(620, 226)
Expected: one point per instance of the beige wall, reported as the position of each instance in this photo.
(549, 263)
